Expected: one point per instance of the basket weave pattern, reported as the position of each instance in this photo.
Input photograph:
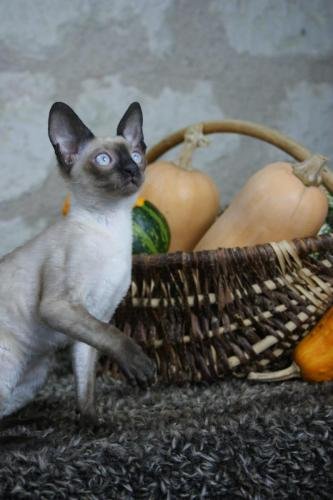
(203, 315)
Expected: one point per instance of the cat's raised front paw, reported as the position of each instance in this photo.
(137, 367)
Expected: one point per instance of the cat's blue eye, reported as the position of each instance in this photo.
(136, 157)
(103, 159)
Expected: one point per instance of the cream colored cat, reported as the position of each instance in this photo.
(63, 286)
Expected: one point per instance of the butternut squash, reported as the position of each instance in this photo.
(188, 198)
(281, 201)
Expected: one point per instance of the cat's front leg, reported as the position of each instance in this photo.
(73, 319)
(84, 359)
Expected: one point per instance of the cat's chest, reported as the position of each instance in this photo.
(108, 273)
(107, 288)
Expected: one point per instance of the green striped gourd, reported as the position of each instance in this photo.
(151, 233)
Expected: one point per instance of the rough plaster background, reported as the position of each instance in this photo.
(185, 61)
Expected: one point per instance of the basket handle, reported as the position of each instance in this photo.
(250, 129)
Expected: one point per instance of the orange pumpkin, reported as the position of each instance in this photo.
(314, 354)
(66, 206)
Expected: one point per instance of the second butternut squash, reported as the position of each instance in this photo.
(281, 201)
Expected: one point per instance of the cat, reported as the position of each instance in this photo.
(63, 286)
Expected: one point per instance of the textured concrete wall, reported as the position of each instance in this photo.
(185, 61)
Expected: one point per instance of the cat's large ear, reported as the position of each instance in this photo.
(68, 134)
(130, 126)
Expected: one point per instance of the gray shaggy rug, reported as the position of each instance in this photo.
(230, 440)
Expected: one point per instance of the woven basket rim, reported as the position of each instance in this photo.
(302, 246)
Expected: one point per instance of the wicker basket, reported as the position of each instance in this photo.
(203, 315)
